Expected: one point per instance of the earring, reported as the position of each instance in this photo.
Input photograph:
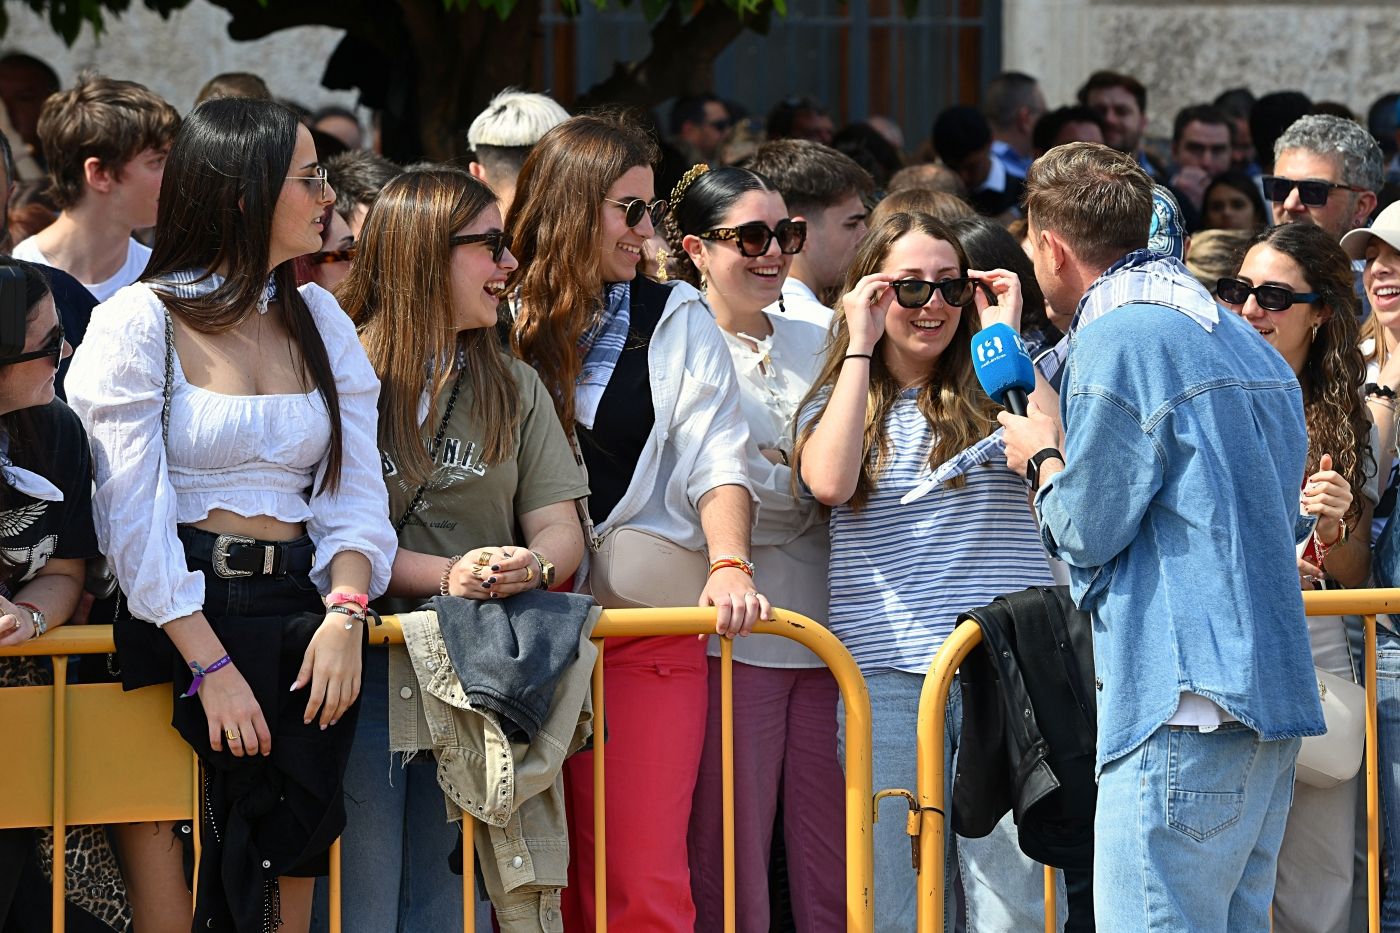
(662, 274)
(1314, 334)
(782, 308)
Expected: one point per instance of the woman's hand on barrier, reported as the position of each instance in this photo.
(233, 713)
(494, 573)
(739, 605)
(332, 667)
(1327, 495)
(16, 624)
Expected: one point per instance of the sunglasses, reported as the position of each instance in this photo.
(327, 256)
(53, 348)
(636, 209)
(320, 177)
(498, 241)
(1310, 193)
(755, 238)
(915, 293)
(1269, 297)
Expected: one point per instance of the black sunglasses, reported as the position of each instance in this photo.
(1270, 297)
(1311, 193)
(53, 348)
(636, 209)
(755, 238)
(498, 241)
(915, 293)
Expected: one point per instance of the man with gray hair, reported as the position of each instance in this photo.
(1013, 102)
(503, 134)
(1327, 171)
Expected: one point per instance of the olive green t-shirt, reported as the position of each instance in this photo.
(468, 503)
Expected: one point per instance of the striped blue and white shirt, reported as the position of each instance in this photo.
(900, 574)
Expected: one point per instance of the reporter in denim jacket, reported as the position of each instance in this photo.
(1318, 339)
(1174, 504)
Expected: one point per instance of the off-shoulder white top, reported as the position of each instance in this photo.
(251, 455)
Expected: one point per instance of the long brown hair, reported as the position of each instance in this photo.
(221, 184)
(958, 411)
(554, 226)
(1334, 371)
(399, 294)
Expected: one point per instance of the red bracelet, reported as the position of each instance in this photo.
(738, 563)
(338, 598)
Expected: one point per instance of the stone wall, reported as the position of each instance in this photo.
(175, 57)
(1188, 51)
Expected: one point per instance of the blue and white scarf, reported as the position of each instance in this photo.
(1141, 277)
(601, 346)
(191, 283)
(25, 481)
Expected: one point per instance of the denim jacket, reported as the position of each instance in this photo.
(513, 791)
(1185, 450)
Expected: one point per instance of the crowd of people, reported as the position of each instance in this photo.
(259, 384)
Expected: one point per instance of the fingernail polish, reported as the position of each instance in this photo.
(294, 686)
(323, 728)
(495, 568)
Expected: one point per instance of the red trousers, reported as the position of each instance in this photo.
(656, 695)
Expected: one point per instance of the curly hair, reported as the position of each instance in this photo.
(1334, 372)
(553, 226)
(952, 399)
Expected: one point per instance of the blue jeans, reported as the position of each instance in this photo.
(394, 871)
(1002, 887)
(1388, 749)
(1188, 830)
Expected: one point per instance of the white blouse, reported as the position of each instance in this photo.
(250, 455)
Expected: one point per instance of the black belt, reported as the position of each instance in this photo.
(238, 556)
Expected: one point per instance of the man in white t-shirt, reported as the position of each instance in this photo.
(105, 142)
(825, 188)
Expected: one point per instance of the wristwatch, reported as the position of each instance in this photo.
(546, 571)
(41, 622)
(1034, 463)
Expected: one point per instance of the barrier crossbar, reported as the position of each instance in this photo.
(79, 739)
(933, 702)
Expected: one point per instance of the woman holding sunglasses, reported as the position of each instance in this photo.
(240, 501)
(897, 400)
(1295, 286)
(640, 374)
(477, 466)
(733, 237)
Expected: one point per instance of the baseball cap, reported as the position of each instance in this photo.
(1386, 227)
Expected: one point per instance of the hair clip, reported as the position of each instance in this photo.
(682, 186)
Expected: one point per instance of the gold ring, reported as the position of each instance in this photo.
(232, 735)
(529, 574)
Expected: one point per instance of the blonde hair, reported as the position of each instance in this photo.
(1214, 254)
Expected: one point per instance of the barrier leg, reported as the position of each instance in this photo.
(1373, 845)
(60, 790)
(468, 875)
(600, 820)
(726, 706)
(334, 895)
(1049, 899)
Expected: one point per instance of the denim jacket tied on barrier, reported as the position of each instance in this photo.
(512, 791)
(1185, 448)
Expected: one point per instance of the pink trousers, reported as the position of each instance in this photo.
(784, 737)
(655, 702)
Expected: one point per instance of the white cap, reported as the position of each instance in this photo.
(1386, 227)
(515, 118)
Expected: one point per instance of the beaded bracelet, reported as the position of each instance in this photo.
(201, 672)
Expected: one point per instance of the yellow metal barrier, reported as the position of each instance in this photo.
(933, 703)
(79, 741)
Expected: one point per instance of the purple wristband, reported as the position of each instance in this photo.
(201, 672)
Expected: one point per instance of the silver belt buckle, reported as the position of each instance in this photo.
(221, 546)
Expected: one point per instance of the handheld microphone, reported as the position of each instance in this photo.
(1003, 367)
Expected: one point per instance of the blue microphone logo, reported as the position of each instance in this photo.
(1001, 362)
